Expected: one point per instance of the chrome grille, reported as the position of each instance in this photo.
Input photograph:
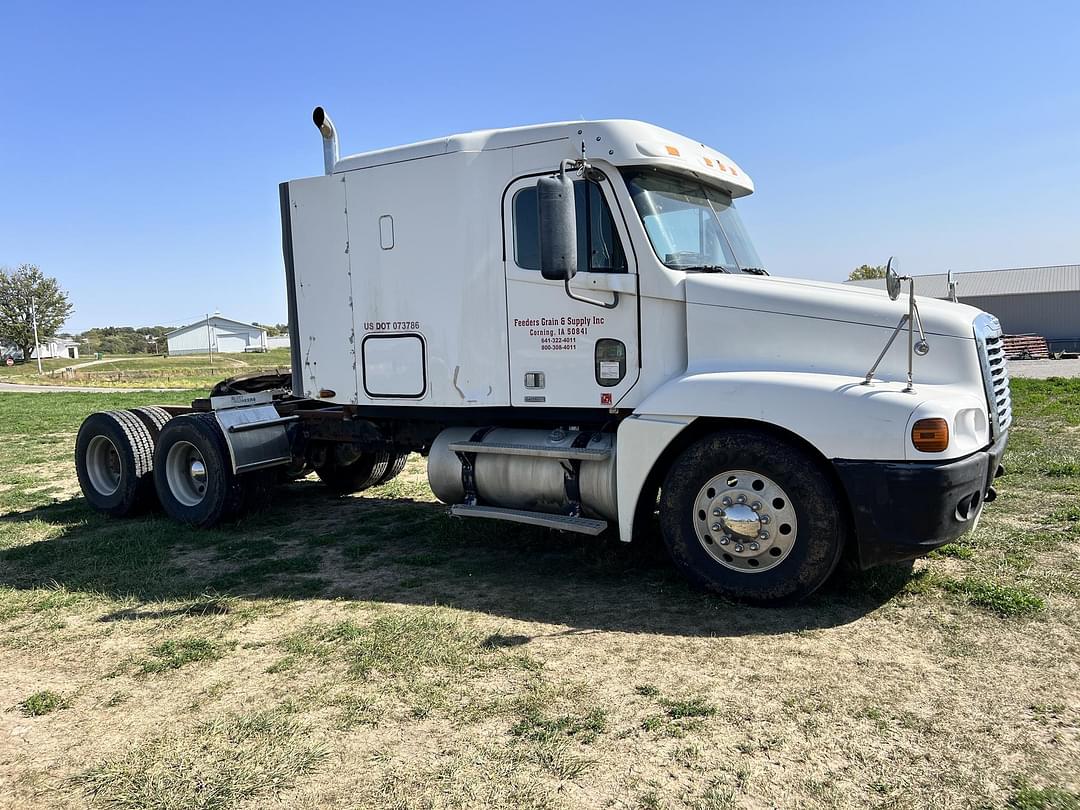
(995, 372)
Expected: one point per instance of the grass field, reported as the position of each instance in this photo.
(369, 652)
(151, 371)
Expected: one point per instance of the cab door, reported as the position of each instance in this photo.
(566, 352)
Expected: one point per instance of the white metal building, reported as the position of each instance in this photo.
(223, 335)
(54, 347)
(1027, 300)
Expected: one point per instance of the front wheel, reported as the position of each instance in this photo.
(752, 517)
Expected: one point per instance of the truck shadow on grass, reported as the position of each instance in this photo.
(307, 544)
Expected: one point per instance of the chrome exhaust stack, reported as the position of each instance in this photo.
(329, 134)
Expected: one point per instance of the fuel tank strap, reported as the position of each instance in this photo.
(468, 466)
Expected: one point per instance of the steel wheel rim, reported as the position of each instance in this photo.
(103, 466)
(745, 521)
(185, 470)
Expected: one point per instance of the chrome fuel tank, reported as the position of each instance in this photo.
(523, 481)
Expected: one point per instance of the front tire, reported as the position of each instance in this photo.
(193, 473)
(751, 517)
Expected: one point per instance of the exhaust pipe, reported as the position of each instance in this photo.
(329, 134)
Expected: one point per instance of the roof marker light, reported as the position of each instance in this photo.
(671, 150)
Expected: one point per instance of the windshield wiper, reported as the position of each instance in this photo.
(701, 268)
(757, 271)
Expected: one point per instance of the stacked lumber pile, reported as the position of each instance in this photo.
(1025, 347)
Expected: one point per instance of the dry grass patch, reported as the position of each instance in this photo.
(213, 766)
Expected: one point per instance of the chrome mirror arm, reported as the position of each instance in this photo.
(870, 374)
(913, 320)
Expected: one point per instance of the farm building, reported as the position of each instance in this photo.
(54, 347)
(1027, 300)
(222, 335)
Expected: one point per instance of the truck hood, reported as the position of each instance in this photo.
(826, 301)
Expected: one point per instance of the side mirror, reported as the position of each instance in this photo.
(892, 278)
(557, 216)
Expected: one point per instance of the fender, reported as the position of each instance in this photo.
(836, 414)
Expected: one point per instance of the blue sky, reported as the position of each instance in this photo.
(141, 145)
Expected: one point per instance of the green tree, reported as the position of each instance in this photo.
(18, 288)
(866, 271)
(125, 339)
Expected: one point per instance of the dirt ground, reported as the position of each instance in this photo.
(1044, 369)
(370, 652)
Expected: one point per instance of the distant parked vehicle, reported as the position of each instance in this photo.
(13, 357)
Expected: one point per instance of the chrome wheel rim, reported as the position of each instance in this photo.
(745, 521)
(103, 466)
(185, 470)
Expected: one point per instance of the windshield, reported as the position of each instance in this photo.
(692, 226)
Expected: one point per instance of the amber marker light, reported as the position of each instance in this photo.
(930, 435)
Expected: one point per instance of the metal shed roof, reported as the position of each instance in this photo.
(1011, 281)
(212, 319)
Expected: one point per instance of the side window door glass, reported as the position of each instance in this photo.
(599, 247)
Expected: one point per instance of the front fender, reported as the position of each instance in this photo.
(836, 414)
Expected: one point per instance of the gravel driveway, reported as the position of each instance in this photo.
(61, 389)
(1041, 369)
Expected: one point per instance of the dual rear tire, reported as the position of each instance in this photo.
(128, 462)
(114, 461)
(346, 471)
(193, 473)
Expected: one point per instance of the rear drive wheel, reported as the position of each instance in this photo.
(295, 470)
(153, 417)
(751, 517)
(393, 469)
(347, 470)
(193, 474)
(114, 460)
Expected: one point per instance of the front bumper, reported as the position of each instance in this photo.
(906, 509)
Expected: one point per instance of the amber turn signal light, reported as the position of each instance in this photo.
(930, 435)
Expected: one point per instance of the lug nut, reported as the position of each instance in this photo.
(726, 501)
(756, 505)
(717, 527)
(738, 548)
(741, 499)
(754, 546)
(724, 541)
(718, 512)
(764, 535)
(764, 519)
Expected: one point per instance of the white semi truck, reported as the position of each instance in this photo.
(572, 324)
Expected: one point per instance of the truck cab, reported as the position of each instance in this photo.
(571, 321)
